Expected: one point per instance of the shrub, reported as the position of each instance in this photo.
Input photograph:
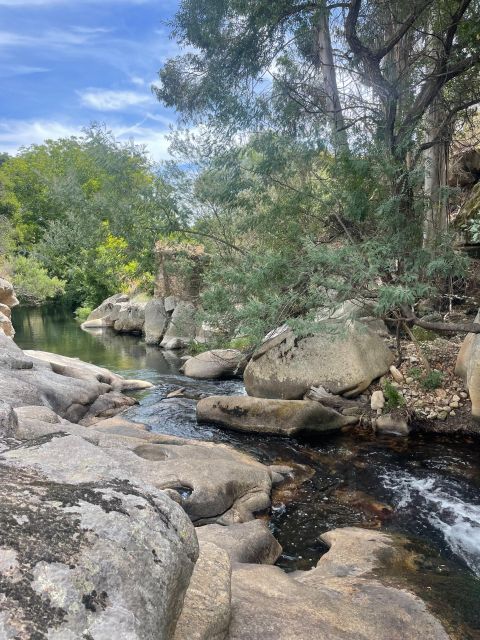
(433, 380)
(393, 397)
(82, 313)
(32, 283)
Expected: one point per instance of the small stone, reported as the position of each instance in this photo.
(377, 401)
(455, 398)
(432, 415)
(440, 393)
(463, 394)
(452, 413)
(396, 374)
(442, 415)
(454, 405)
(409, 380)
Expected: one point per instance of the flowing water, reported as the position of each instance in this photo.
(427, 489)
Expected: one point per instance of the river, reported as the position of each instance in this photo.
(427, 489)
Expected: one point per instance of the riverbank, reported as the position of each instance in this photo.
(340, 481)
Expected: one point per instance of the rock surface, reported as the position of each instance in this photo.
(156, 321)
(207, 606)
(250, 542)
(182, 328)
(338, 599)
(104, 311)
(131, 317)
(468, 368)
(262, 415)
(7, 301)
(215, 364)
(90, 559)
(344, 359)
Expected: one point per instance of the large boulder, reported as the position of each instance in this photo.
(7, 301)
(131, 317)
(66, 385)
(182, 328)
(344, 358)
(468, 368)
(156, 321)
(7, 294)
(339, 599)
(278, 417)
(101, 315)
(88, 558)
(215, 364)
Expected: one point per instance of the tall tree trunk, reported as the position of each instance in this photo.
(436, 176)
(326, 64)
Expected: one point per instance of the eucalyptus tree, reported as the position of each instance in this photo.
(372, 85)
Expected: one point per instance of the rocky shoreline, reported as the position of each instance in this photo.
(107, 526)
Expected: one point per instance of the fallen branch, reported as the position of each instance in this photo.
(442, 327)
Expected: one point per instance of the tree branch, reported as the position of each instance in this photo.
(443, 327)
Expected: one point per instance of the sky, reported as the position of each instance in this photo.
(67, 63)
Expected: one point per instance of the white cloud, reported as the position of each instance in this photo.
(8, 71)
(140, 82)
(52, 38)
(23, 133)
(108, 100)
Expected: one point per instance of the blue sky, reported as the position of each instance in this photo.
(66, 63)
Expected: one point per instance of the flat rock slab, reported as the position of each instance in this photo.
(277, 417)
(339, 600)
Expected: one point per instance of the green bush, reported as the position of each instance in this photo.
(432, 380)
(82, 313)
(32, 283)
(393, 397)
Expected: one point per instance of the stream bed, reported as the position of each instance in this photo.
(427, 489)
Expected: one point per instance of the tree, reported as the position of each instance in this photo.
(314, 73)
(67, 199)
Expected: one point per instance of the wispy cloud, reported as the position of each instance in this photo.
(11, 70)
(51, 38)
(108, 100)
(21, 133)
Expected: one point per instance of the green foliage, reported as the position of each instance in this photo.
(424, 335)
(430, 381)
(89, 208)
(194, 347)
(32, 283)
(393, 398)
(433, 380)
(82, 313)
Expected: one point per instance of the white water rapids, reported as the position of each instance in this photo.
(440, 504)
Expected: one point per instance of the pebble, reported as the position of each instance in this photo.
(455, 398)
(452, 413)
(442, 415)
(454, 405)
(463, 394)
(396, 374)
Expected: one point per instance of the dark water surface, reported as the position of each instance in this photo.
(425, 489)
